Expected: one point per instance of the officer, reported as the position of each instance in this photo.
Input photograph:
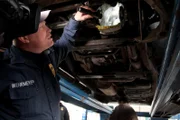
(123, 112)
(29, 89)
(64, 112)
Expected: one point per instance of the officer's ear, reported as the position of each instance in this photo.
(23, 39)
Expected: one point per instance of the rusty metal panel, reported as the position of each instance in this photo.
(45, 3)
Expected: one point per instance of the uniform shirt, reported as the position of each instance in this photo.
(28, 88)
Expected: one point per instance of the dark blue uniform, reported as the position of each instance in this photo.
(28, 88)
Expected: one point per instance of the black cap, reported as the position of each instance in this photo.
(24, 26)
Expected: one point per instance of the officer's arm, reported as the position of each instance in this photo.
(64, 45)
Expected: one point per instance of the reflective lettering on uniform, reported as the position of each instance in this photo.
(22, 84)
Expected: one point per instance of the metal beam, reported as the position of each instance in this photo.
(159, 118)
(100, 44)
(104, 116)
(143, 114)
(116, 75)
(167, 78)
(78, 95)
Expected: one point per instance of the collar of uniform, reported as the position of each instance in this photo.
(16, 56)
(20, 56)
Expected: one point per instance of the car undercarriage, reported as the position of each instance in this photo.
(120, 62)
(118, 54)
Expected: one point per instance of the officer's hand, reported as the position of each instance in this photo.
(79, 16)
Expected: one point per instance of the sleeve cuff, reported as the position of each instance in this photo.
(73, 24)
